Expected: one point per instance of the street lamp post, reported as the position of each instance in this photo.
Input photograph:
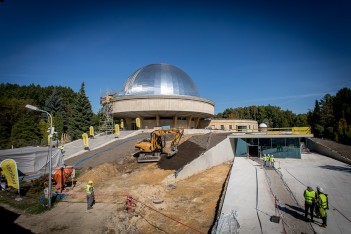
(50, 149)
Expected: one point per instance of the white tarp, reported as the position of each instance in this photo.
(32, 159)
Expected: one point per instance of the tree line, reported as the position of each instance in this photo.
(71, 112)
(273, 116)
(330, 118)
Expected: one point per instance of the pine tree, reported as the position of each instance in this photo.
(25, 132)
(54, 103)
(81, 115)
(58, 123)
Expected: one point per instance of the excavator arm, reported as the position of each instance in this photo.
(150, 149)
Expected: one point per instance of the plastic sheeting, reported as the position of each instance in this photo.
(32, 159)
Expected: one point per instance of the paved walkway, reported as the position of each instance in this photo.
(250, 193)
(76, 148)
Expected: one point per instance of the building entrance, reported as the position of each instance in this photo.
(133, 126)
(253, 151)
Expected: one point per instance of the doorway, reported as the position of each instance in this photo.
(253, 151)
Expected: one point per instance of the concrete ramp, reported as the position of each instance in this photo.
(217, 155)
(331, 149)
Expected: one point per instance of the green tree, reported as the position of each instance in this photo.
(54, 103)
(341, 130)
(315, 117)
(300, 120)
(43, 127)
(342, 105)
(81, 115)
(58, 123)
(318, 130)
(25, 132)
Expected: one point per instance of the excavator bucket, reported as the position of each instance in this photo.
(173, 152)
(149, 158)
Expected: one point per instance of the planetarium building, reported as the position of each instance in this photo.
(161, 95)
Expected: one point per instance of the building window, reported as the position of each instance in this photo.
(166, 118)
(230, 127)
(222, 127)
(149, 118)
(181, 118)
(242, 128)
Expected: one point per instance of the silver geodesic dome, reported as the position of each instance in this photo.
(160, 79)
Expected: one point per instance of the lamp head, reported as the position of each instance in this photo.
(32, 107)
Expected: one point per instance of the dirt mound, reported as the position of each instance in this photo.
(190, 150)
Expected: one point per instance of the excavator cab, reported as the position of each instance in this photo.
(151, 149)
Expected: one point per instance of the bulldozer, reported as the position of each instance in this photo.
(151, 149)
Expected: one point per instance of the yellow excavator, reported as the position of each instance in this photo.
(150, 150)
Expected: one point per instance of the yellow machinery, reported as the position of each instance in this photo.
(150, 149)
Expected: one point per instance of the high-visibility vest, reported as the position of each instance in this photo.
(88, 189)
(310, 196)
(272, 159)
(324, 201)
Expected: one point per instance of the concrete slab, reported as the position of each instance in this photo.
(333, 176)
(248, 193)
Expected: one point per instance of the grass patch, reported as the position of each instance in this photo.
(28, 200)
(31, 199)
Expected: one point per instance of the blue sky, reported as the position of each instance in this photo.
(239, 53)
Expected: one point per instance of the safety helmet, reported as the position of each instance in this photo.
(90, 182)
(319, 189)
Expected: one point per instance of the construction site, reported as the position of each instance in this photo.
(160, 164)
(203, 188)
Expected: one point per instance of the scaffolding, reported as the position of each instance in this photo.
(106, 124)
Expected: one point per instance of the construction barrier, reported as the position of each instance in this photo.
(91, 131)
(85, 140)
(301, 130)
(137, 122)
(117, 129)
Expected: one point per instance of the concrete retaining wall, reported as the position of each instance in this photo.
(217, 155)
(321, 149)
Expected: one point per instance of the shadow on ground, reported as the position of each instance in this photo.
(337, 168)
(293, 211)
(7, 222)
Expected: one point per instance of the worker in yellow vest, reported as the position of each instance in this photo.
(268, 159)
(90, 194)
(310, 201)
(322, 204)
(264, 160)
(272, 160)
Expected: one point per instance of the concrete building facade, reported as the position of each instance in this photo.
(236, 125)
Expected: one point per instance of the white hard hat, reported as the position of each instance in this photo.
(319, 189)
